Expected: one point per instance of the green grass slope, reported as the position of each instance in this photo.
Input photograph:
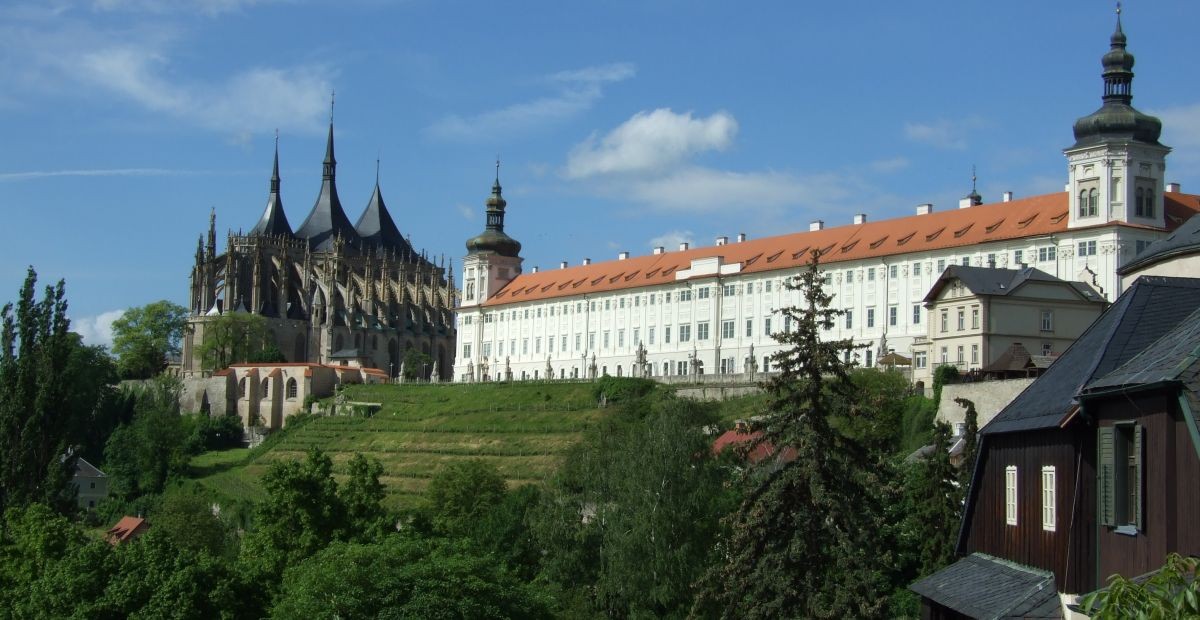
(524, 429)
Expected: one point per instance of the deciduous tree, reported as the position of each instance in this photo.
(237, 337)
(145, 336)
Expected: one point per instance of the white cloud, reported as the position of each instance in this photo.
(703, 189)
(886, 166)
(1181, 125)
(943, 133)
(96, 330)
(579, 90)
(257, 99)
(671, 239)
(651, 142)
(205, 7)
(466, 212)
(100, 172)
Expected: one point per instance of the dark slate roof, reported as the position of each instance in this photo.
(992, 281)
(378, 229)
(983, 586)
(87, 470)
(346, 354)
(1153, 306)
(273, 221)
(1174, 357)
(1185, 240)
(1016, 357)
(327, 218)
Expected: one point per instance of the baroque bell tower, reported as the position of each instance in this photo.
(1117, 165)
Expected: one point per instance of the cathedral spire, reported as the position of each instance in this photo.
(273, 221)
(328, 220)
(493, 238)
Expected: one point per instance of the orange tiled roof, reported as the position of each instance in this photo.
(126, 529)
(1027, 217)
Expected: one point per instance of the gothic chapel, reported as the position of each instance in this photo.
(332, 292)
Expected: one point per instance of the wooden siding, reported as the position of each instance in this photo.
(1068, 550)
(1171, 499)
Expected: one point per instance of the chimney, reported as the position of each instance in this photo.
(722, 240)
(925, 209)
(816, 225)
(623, 256)
(1173, 188)
(659, 250)
(683, 246)
(741, 237)
(1006, 197)
(535, 269)
(587, 261)
(860, 218)
(562, 265)
(965, 203)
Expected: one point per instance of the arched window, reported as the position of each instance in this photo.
(266, 388)
(291, 389)
(1140, 210)
(1083, 203)
(242, 388)
(1093, 200)
(1149, 203)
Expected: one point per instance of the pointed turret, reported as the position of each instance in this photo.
(376, 226)
(493, 238)
(1117, 119)
(327, 220)
(273, 221)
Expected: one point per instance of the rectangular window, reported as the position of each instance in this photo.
(945, 320)
(916, 269)
(960, 354)
(945, 358)
(685, 295)
(916, 314)
(667, 334)
(606, 338)
(537, 345)
(1018, 257)
(1047, 320)
(524, 346)
(1010, 495)
(974, 318)
(652, 296)
(1120, 455)
(650, 335)
(702, 293)
(941, 265)
(849, 319)
(467, 350)
(850, 277)
(870, 317)
(870, 274)
(685, 333)
(974, 354)
(749, 327)
(702, 330)
(621, 303)
(962, 319)
(637, 332)
(637, 301)
(577, 339)
(966, 261)
(892, 271)
(562, 346)
(607, 304)
(768, 286)
(767, 326)
(727, 329)
(591, 341)
(1048, 253)
(1087, 248)
(487, 351)
(919, 359)
(1048, 509)
(729, 290)
(620, 338)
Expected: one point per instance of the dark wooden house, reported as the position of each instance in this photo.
(1083, 474)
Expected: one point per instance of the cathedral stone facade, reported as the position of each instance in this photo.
(331, 292)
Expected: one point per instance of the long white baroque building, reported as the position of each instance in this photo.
(712, 309)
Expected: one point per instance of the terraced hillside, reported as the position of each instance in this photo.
(523, 429)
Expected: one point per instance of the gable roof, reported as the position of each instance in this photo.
(999, 282)
(126, 529)
(1035, 216)
(1185, 240)
(1174, 357)
(984, 586)
(85, 469)
(1142, 315)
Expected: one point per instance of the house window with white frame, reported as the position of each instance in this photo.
(702, 330)
(727, 329)
(685, 333)
(1010, 495)
(1047, 323)
(1049, 510)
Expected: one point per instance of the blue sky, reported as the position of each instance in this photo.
(621, 125)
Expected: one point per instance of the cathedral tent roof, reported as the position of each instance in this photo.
(377, 228)
(273, 222)
(327, 218)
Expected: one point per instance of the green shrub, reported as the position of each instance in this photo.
(622, 389)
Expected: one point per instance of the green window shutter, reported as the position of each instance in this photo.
(1136, 483)
(1107, 472)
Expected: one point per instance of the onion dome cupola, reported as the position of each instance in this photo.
(1117, 119)
(378, 229)
(273, 222)
(493, 239)
(327, 219)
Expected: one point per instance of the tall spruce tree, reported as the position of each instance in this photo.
(936, 504)
(40, 422)
(804, 541)
(970, 445)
